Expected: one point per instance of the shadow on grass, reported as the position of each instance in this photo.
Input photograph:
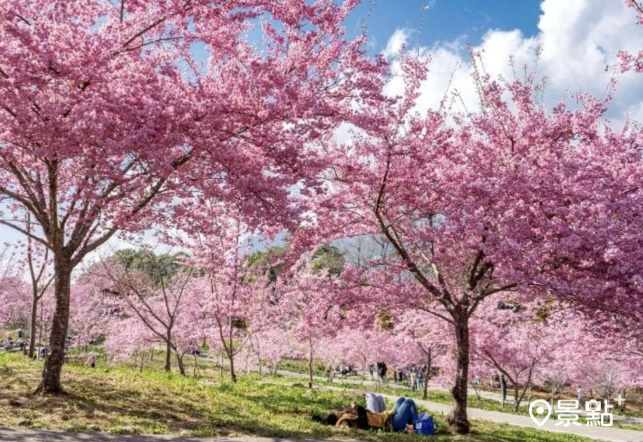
(20, 435)
(93, 404)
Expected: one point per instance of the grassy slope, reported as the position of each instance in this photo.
(122, 400)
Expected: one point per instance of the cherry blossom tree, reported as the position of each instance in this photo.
(305, 306)
(513, 197)
(631, 61)
(156, 301)
(605, 363)
(228, 299)
(523, 341)
(272, 344)
(110, 112)
(126, 339)
(35, 258)
(432, 337)
(40, 277)
(89, 310)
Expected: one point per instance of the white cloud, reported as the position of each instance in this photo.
(579, 42)
(396, 43)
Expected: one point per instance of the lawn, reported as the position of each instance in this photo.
(634, 406)
(122, 400)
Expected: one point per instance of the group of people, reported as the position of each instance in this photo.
(41, 351)
(345, 369)
(413, 374)
(10, 343)
(375, 416)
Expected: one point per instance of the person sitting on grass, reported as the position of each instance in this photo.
(356, 416)
(404, 413)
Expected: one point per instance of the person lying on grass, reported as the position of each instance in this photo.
(404, 413)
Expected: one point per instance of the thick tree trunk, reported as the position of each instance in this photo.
(32, 328)
(458, 418)
(50, 382)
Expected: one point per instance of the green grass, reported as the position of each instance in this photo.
(124, 401)
(301, 366)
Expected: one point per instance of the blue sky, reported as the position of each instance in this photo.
(578, 42)
(445, 20)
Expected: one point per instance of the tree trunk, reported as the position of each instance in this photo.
(168, 356)
(196, 366)
(50, 382)
(310, 365)
(32, 328)
(179, 361)
(259, 357)
(233, 375)
(40, 329)
(458, 418)
(427, 373)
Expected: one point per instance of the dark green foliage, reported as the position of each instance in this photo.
(160, 268)
(264, 262)
(329, 258)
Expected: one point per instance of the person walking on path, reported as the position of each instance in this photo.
(581, 396)
(381, 372)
